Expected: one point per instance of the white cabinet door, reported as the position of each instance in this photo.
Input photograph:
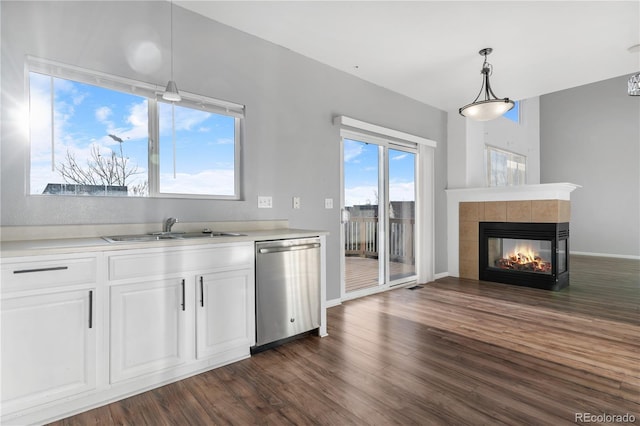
(225, 312)
(48, 347)
(147, 327)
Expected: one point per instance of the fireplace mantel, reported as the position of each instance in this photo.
(543, 191)
(455, 196)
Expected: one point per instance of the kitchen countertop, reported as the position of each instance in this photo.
(97, 244)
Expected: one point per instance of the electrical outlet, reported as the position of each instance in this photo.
(265, 202)
(328, 203)
(296, 202)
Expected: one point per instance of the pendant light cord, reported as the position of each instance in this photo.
(173, 136)
(53, 125)
(171, 26)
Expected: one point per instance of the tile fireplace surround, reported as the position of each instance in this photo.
(526, 211)
(467, 207)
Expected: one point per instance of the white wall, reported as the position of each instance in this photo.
(290, 146)
(590, 135)
(522, 138)
(467, 139)
(456, 150)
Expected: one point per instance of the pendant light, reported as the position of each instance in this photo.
(491, 106)
(633, 85)
(171, 92)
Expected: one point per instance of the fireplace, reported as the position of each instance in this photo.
(526, 254)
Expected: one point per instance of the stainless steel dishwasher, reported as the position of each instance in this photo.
(287, 289)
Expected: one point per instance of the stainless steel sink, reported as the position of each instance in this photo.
(211, 234)
(143, 237)
(159, 236)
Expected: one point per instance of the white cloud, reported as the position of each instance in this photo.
(218, 182)
(188, 119)
(400, 156)
(359, 195)
(103, 113)
(225, 141)
(402, 191)
(139, 119)
(185, 118)
(352, 150)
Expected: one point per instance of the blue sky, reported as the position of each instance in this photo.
(361, 167)
(84, 115)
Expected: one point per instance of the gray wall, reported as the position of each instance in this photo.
(290, 147)
(590, 136)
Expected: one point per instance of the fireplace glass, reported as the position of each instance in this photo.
(563, 263)
(509, 254)
(527, 254)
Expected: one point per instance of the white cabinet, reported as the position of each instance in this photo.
(148, 331)
(48, 328)
(225, 313)
(179, 306)
(82, 329)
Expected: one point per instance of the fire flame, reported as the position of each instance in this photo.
(524, 258)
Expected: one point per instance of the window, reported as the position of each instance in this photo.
(197, 151)
(514, 113)
(504, 168)
(98, 135)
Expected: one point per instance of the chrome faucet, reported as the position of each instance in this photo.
(168, 224)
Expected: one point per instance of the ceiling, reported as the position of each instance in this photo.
(428, 50)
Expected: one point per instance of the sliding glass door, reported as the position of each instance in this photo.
(378, 220)
(401, 214)
(361, 213)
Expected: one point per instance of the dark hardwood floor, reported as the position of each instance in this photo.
(454, 351)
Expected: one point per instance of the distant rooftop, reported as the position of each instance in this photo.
(81, 189)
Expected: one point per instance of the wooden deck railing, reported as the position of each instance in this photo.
(361, 238)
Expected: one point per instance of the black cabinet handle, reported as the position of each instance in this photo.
(90, 308)
(201, 291)
(53, 268)
(183, 296)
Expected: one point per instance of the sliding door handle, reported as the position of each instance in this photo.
(345, 216)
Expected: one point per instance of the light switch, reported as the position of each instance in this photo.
(296, 202)
(265, 202)
(328, 203)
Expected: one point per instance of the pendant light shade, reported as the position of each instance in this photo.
(171, 92)
(633, 86)
(491, 106)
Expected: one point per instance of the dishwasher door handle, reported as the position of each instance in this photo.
(289, 248)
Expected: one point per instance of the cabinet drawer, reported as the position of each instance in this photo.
(45, 273)
(145, 264)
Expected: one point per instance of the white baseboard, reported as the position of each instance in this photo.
(619, 256)
(333, 302)
(440, 275)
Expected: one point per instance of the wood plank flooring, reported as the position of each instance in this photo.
(362, 272)
(454, 352)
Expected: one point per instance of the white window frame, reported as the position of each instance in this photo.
(511, 155)
(154, 94)
(425, 188)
